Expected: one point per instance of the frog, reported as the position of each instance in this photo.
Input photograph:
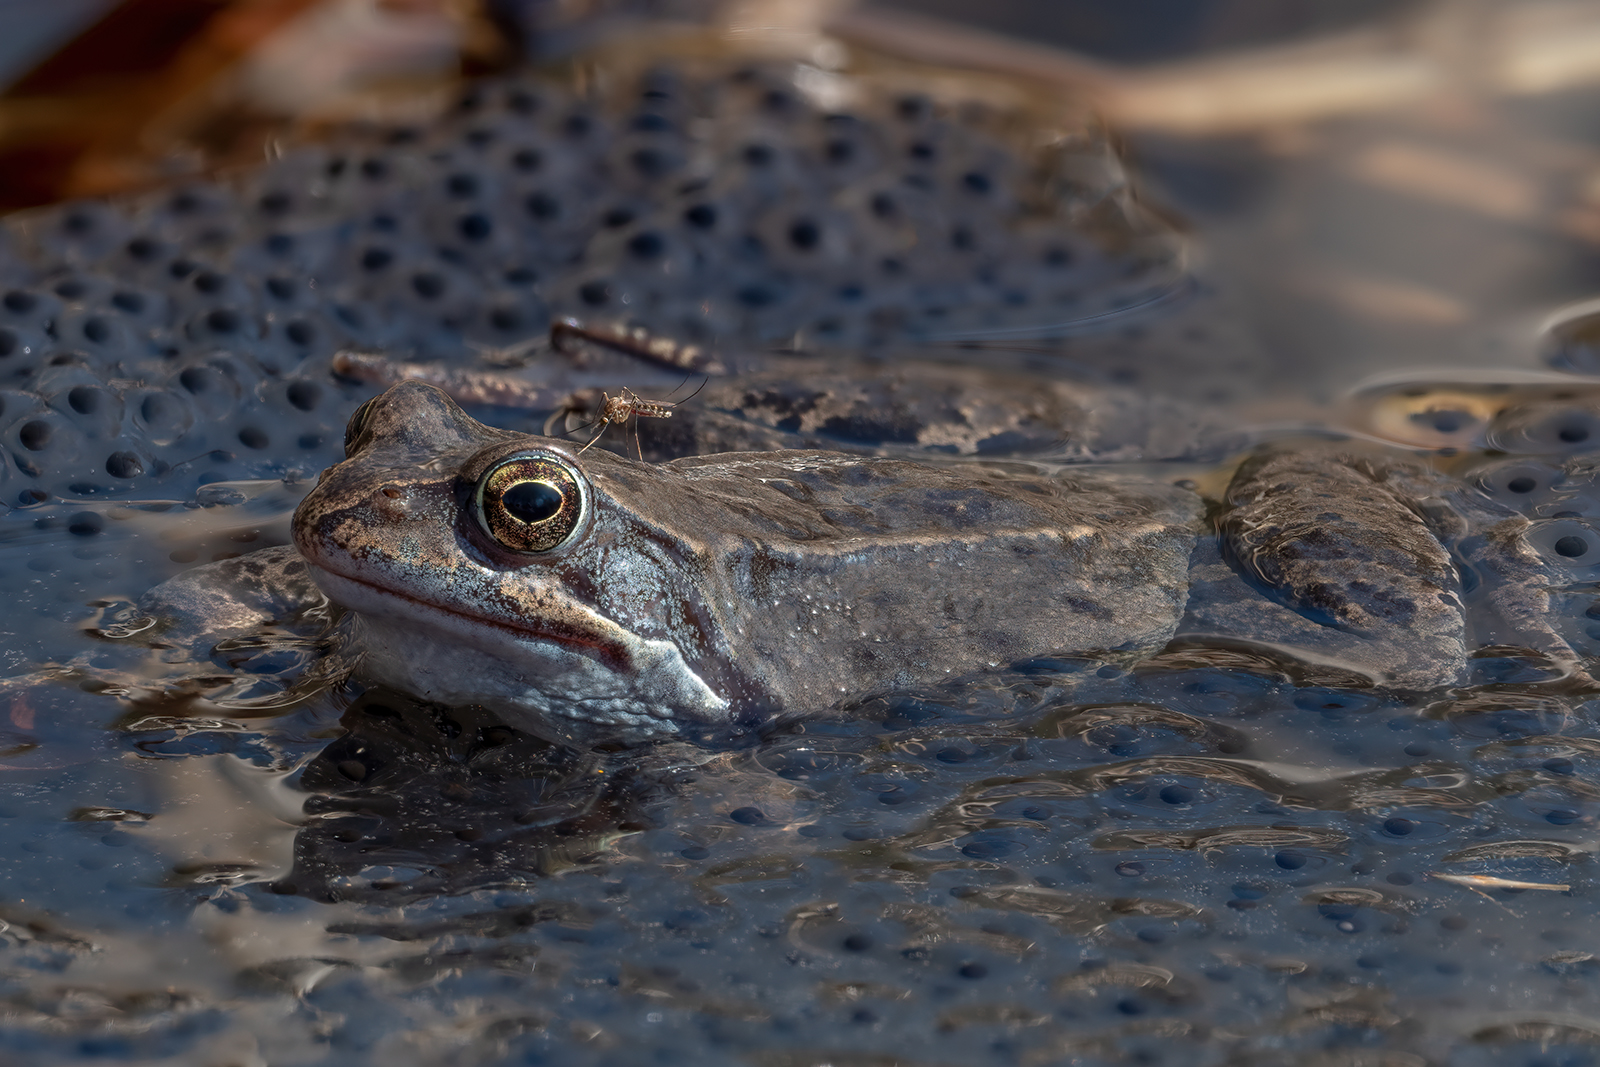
(593, 595)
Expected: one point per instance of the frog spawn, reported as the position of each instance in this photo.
(710, 202)
(1561, 500)
(1526, 444)
(1071, 855)
(111, 387)
(923, 225)
(74, 431)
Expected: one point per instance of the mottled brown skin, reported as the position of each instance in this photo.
(1327, 532)
(726, 588)
(1339, 537)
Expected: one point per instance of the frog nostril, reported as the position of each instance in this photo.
(391, 492)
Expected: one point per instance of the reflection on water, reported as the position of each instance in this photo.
(413, 803)
(1071, 859)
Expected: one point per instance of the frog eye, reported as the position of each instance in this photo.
(357, 425)
(530, 503)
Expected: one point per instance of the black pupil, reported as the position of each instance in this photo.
(532, 502)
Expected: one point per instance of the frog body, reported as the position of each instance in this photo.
(724, 588)
(183, 336)
(598, 593)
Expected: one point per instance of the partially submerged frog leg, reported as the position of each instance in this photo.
(1336, 537)
(203, 607)
(249, 635)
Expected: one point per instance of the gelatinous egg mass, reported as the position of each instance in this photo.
(1536, 415)
(182, 337)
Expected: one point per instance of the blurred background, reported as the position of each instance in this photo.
(1375, 183)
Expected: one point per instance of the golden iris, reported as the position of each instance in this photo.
(530, 503)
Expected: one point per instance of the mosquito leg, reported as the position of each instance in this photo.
(604, 422)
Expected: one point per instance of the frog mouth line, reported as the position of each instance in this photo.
(614, 654)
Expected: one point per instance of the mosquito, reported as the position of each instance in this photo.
(628, 404)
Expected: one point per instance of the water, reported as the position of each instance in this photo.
(1222, 854)
(1210, 856)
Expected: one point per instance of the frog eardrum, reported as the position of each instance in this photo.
(531, 502)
